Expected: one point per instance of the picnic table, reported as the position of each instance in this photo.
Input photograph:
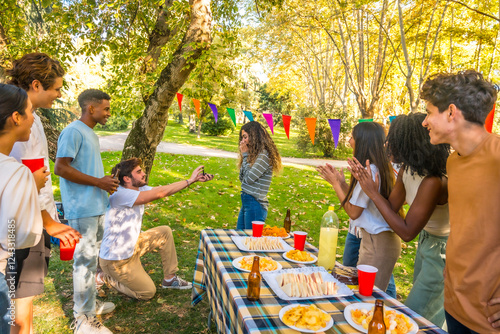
(226, 288)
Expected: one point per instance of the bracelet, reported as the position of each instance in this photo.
(188, 182)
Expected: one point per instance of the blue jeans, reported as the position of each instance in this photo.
(351, 256)
(4, 306)
(85, 263)
(250, 210)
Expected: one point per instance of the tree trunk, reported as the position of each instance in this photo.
(148, 129)
(52, 135)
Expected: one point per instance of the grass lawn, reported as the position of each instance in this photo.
(205, 205)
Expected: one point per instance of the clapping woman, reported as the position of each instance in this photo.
(259, 158)
(422, 183)
(380, 246)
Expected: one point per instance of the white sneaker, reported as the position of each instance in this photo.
(89, 325)
(103, 307)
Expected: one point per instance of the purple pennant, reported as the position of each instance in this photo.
(335, 127)
(214, 110)
(269, 119)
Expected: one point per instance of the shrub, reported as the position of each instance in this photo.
(223, 127)
(114, 123)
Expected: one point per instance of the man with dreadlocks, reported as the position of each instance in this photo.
(422, 183)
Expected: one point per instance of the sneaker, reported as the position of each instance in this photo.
(176, 283)
(103, 307)
(89, 325)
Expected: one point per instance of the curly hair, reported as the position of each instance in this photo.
(91, 95)
(369, 139)
(35, 66)
(126, 167)
(408, 142)
(259, 140)
(467, 90)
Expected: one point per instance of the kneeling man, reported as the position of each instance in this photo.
(123, 243)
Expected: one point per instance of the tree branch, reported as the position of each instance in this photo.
(476, 10)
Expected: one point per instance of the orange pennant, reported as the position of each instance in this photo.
(197, 106)
(311, 126)
(488, 124)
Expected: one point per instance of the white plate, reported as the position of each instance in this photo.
(329, 324)
(300, 262)
(236, 264)
(270, 278)
(239, 242)
(369, 306)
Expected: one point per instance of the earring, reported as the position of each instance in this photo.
(16, 123)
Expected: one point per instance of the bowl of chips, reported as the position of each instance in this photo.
(306, 318)
(298, 256)
(267, 264)
(359, 315)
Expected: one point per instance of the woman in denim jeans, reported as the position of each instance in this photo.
(259, 158)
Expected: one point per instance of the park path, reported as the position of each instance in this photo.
(115, 143)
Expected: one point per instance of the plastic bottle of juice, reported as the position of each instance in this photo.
(328, 239)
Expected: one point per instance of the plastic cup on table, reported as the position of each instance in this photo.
(257, 227)
(33, 164)
(66, 251)
(366, 279)
(299, 240)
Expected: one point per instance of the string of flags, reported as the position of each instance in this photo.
(310, 121)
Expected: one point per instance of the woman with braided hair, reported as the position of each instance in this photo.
(422, 183)
(259, 158)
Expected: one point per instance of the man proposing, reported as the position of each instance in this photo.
(123, 243)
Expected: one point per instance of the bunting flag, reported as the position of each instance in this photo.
(249, 115)
(488, 124)
(269, 119)
(311, 127)
(365, 120)
(197, 106)
(179, 100)
(230, 111)
(335, 127)
(391, 118)
(214, 110)
(286, 124)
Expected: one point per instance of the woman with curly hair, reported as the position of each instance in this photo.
(422, 183)
(259, 158)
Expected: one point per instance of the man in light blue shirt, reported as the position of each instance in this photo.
(84, 189)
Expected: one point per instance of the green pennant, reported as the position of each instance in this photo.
(230, 111)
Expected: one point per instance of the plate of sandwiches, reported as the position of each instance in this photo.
(305, 284)
(261, 244)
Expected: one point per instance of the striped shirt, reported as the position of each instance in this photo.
(256, 179)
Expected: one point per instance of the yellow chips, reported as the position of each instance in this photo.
(265, 263)
(306, 317)
(298, 255)
(396, 323)
(274, 231)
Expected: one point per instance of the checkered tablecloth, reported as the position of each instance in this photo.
(226, 289)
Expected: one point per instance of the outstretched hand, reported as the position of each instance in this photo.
(364, 176)
(199, 176)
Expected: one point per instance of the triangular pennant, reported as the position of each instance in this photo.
(311, 127)
(249, 115)
(286, 124)
(391, 118)
(365, 120)
(335, 127)
(179, 100)
(214, 110)
(269, 119)
(197, 106)
(488, 124)
(230, 111)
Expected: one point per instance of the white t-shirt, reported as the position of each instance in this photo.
(122, 224)
(370, 220)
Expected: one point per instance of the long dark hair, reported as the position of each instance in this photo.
(259, 140)
(12, 99)
(369, 139)
(408, 142)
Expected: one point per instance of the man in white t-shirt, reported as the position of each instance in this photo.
(123, 243)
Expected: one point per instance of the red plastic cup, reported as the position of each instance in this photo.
(33, 164)
(299, 240)
(66, 251)
(257, 228)
(366, 279)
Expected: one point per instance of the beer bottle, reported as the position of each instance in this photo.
(288, 222)
(377, 325)
(253, 292)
